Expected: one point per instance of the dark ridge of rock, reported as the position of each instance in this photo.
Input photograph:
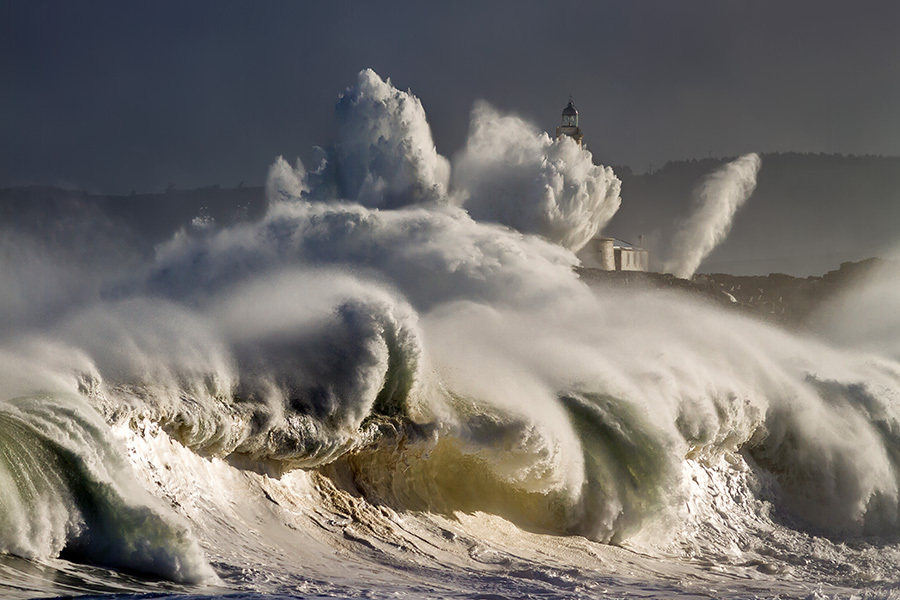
(778, 298)
(638, 280)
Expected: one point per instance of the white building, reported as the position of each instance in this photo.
(611, 254)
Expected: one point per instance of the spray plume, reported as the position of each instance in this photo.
(511, 173)
(717, 200)
(385, 151)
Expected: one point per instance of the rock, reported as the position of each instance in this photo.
(778, 298)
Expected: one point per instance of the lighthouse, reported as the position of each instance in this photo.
(569, 125)
(601, 252)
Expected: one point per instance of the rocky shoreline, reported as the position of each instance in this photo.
(782, 299)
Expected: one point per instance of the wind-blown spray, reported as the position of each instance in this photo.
(717, 199)
(511, 173)
(370, 366)
(386, 154)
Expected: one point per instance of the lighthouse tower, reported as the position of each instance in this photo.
(569, 125)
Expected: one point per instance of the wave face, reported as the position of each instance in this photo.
(381, 388)
(67, 488)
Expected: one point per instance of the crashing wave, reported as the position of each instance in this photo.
(416, 340)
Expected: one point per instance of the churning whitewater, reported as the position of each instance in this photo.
(394, 383)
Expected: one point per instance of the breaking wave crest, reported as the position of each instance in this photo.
(67, 487)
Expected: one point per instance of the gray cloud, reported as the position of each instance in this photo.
(114, 98)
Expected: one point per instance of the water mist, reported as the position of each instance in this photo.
(716, 202)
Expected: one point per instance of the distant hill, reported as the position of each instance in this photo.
(57, 215)
(809, 213)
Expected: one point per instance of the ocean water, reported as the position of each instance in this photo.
(371, 393)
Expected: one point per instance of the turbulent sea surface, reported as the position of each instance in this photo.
(393, 384)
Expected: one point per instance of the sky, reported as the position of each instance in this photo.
(114, 96)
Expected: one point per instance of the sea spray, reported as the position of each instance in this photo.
(429, 369)
(717, 200)
(865, 316)
(511, 173)
(316, 308)
(385, 151)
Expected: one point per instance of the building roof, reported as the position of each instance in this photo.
(570, 109)
(617, 243)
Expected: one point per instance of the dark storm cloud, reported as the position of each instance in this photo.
(117, 96)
